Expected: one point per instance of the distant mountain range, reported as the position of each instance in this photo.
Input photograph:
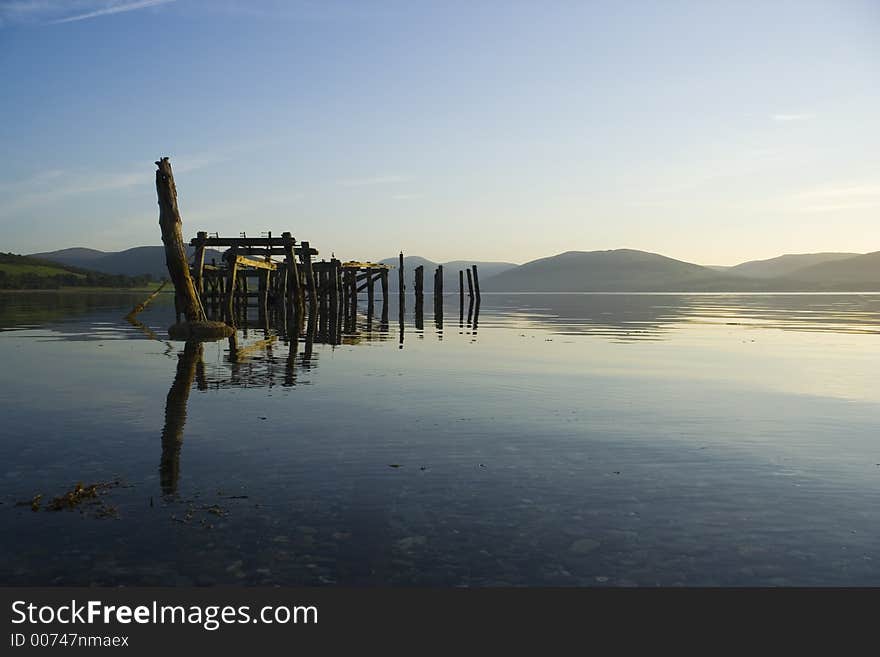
(620, 270)
(626, 270)
(785, 265)
(131, 262)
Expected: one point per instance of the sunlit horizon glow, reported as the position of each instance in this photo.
(707, 132)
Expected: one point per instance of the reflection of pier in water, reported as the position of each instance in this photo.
(271, 352)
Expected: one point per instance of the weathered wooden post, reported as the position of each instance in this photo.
(353, 295)
(310, 277)
(175, 248)
(383, 278)
(333, 282)
(370, 294)
(231, 282)
(438, 283)
(263, 289)
(196, 324)
(294, 291)
(476, 282)
(400, 284)
(470, 284)
(199, 264)
(420, 281)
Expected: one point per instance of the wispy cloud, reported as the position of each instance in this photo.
(375, 180)
(54, 12)
(803, 116)
(116, 8)
(51, 185)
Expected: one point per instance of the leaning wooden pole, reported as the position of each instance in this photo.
(190, 305)
(143, 304)
(175, 247)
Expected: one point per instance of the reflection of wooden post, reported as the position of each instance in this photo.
(175, 247)
(175, 415)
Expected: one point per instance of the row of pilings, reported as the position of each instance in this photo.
(328, 289)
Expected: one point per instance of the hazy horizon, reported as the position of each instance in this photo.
(715, 134)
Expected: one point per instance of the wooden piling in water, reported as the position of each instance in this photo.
(263, 289)
(420, 281)
(476, 282)
(294, 295)
(310, 278)
(461, 288)
(231, 284)
(370, 294)
(199, 263)
(470, 284)
(333, 282)
(383, 278)
(438, 282)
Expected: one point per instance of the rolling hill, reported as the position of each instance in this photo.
(861, 272)
(19, 272)
(131, 262)
(784, 265)
(620, 270)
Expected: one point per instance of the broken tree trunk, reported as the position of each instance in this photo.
(189, 303)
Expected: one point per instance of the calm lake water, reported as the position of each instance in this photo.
(590, 440)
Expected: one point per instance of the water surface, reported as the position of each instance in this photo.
(607, 440)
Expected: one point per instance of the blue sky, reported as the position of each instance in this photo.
(713, 132)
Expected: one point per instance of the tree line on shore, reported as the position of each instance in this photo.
(19, 272)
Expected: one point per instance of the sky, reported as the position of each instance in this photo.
(712, 132)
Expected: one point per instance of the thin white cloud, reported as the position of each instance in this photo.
(805, 116)
(54, 12)
(116, 8)
(51, 185)
(375, 180)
